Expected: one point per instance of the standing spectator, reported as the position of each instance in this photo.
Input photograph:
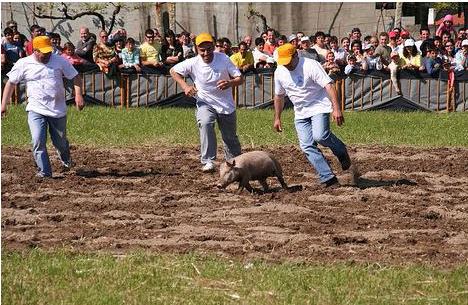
(437, 42)
(395, 65)
(248, 41)
(282, 39)
(461, 58)
(374, 41)
(424, 40)
(118, 35)
(150, 51)
(213, 75)
(187, 46)
(345, 43)
(105, 57)
(432, 63)
(340, 53)
(270, 43)
(299, 35)
(383, 50)
(320, 46)
(227, 46)
(43, 73)
(13, 52)
(85, 46)
(261, 59)
(14, 27)
(243, 59)
(330, 66)
(411, 56)
(130, 57)
(314, 97)
(356, 34)
(460, 37)
(448, 56)
(446, 26)
(352, 66)
(306, 50)
(392, 41)
(356, 50)
(36, 30)
(292, 39)
(171, 50)
(219, 46)
(445, 37)
(373, 63)
(56, 40)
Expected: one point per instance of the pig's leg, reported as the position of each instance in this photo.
(281, 180)
(264, 185)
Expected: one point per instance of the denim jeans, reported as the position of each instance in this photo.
(316, 130)
(38, 125)
(206, 118)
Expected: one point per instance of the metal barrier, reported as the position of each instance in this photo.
(354, 92)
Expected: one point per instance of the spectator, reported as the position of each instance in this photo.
(227, 46)
(448, 56)
(150, 51)
(130, 58)
(292, 39)
(461, 58)
(282, 39)
(330, 66)
(119, 45)
(320, 46)
(261, 59)
(105, 57)
(248, 41)
(437, 42)
(423, 42)
(80, 64)
(374, 41)
(326, 41)
(306, 51)
(340, 53)
(373, 63)
(118, 35)
(14, 27)
(299, 35)
(397, 32)
(214, 76)
(383, 50)
(13, 51)
(395, 65)
(446, 26)
(445, 37)
(270, 43)
(187, 46)
(356, 50)
(432, 63)
(460, 37)
(264, 36)
(56, 40)
(352, 66)
(36, 30)
(4, 62)
(411, 57)
(392, 40)
(243, 59)
(366, 41)
(171, 50)
(85, 46)
(356, 34)
(219, 46)
(345, 43)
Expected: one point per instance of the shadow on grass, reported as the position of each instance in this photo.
(86, 173)
(364, 183)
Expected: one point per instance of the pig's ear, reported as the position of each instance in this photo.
(233, 163)
(230, 164)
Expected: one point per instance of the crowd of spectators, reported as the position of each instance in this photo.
(390, 52)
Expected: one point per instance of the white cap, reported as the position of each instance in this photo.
(291, 37)
(305, 38)
(464, 42)
(409, 42)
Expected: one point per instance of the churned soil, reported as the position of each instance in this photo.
(410, 205)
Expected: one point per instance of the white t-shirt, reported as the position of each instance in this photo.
(206, 76)
(305, 87)
(44, 83)
(257, 54)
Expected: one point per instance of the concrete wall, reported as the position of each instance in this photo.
(231, 18)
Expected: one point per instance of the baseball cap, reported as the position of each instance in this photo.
(43, 44)
(305, 38)
(285, 54)
(409, 42)
(394, 53)
(291, 37)
(404, 34)
(203, 37)
(392, 34)
(464, 42)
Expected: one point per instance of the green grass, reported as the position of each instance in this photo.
(62, 278)
(99, 126)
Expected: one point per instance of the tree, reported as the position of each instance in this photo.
(89, 9)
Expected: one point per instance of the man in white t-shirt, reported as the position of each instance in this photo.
(313, 95)
(213, 75)
(43, 73)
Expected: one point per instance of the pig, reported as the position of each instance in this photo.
(254, 165)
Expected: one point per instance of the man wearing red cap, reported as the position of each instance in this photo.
(43, 73)
(313, 95)
(213, 75)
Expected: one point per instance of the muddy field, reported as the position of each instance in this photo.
(410, 205)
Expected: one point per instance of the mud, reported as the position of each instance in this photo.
(410, 206)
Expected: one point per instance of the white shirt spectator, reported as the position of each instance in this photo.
(45, 89)
(206, 76)
(257, 54)
(305, 87)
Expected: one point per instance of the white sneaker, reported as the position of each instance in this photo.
(208, 167)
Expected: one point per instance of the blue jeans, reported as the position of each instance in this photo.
(316, 130)
(38, 125)
(206, 118)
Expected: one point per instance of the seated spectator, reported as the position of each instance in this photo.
(340, 53)
(130, 58)
(85, 46)
(105, 57)
(356, 50)
(171, 50)
(56, 40)
(150, 51)
(80, 64)
(411, 57)
(445, 38)
(306, 50)
(394, 66)
(320, 46)
(261, 59)
(446, 26)
(243, 59)
(118, 35)
(461, 58)
(432, 63)
(330, 66)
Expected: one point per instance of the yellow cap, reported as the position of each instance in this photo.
(203, 37)
(285, 54)
(43, 44)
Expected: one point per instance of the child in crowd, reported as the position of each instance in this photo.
(130, 57)
(446, 26)
(330, 65)
(396, 64)
(352, 66)
(69, 54)
(373, 63)
(432, 63)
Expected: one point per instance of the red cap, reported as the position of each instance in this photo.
(392, 34)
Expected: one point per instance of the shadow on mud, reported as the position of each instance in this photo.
(116, 173)
(364, 183)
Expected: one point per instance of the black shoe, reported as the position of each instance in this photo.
(345, 162)
(331, 183)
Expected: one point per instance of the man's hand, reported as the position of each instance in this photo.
(79, 101)
(223, 84)
(190, 91)
(338, 116)
(277, 125)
